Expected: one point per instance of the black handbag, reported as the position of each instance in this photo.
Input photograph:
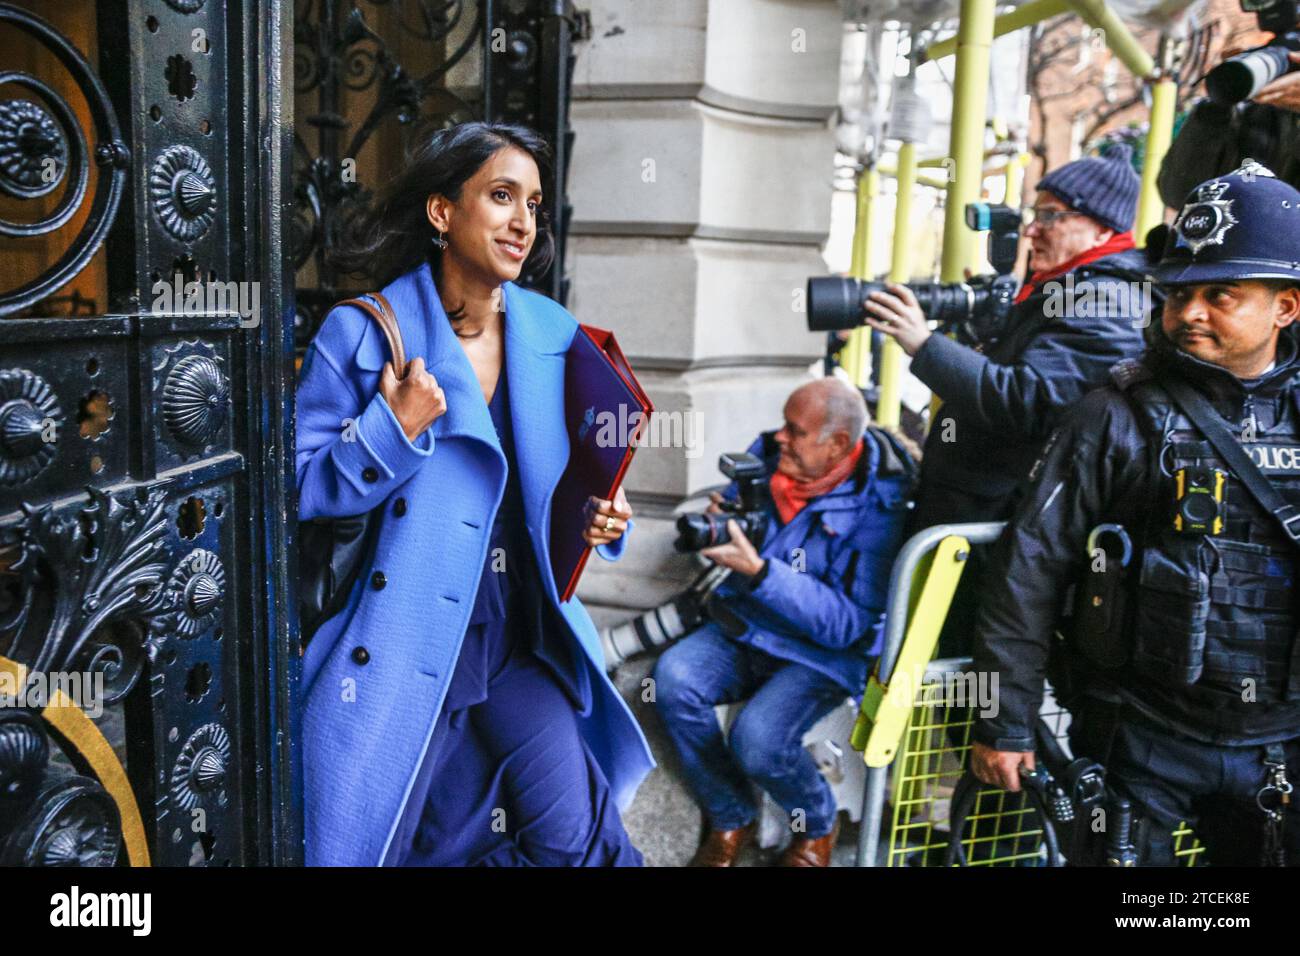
(332, 551)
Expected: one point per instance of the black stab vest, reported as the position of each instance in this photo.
(1213, 618)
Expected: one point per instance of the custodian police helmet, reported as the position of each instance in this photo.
(1242, 225)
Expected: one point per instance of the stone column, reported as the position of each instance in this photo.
(701, 186)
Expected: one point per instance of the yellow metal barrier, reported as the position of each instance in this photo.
(915, 725)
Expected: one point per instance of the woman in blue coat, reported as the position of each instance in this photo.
(456, 712)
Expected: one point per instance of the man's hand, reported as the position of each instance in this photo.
(1284, 92)
(739, 553)
(417, 400)
(898, 315)
(1001, 768)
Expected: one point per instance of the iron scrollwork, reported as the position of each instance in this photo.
(40, 145)
(103, 565)
(336, 52)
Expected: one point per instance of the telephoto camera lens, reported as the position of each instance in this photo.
(662, 625)
(836, 303)
(1241, 77)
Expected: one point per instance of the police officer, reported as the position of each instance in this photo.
(1191, 696)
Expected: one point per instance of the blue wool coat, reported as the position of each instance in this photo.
(366, 727)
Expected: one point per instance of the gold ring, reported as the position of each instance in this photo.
(609, 523)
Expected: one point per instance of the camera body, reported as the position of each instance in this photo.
(704, 530)
(1200, 495)
(977, 310)
(1242, 76)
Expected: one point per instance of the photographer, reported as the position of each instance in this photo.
(794, 626)
(1079, 313)
(1252, 111)
(1217, 137)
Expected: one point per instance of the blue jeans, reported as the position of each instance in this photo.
(708, 668)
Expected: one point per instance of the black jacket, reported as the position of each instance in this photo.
(1000, 406)
(1215, 139)
(1099, 467)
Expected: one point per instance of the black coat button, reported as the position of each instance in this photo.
(399, 507)
(378, 581)
(370, 475)
(360, 655)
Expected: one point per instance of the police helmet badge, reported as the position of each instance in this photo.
(1249, 171)
(1206, 218)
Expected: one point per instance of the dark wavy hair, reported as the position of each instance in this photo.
(393, 235)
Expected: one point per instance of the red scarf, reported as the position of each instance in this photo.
(1116, 243)
(790, 496)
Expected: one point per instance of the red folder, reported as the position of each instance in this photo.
(605, 413)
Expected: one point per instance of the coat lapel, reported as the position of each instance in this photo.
(535, 356)
(536, 345)
(428, 333)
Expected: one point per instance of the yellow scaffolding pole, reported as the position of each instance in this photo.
(1025, 15)
(1095, 13)
(969, 110)
(855, 357)
(1160, 132)
(1015, 173)
(1116, 35)
(934, 182)
(900, 270)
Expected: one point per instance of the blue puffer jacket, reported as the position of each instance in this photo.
(821, 600)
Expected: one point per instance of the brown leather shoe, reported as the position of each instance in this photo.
(806, 851)
(721, 847)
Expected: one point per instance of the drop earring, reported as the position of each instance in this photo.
(440, 240)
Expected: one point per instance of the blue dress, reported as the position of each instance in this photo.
(510, 780)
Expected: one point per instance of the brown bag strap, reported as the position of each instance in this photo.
(386, 319)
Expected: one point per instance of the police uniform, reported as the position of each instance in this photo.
(1189, 695)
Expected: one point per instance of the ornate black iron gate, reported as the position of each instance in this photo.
(155, 205)
(145, 429)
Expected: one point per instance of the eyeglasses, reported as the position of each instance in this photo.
(1045, 217)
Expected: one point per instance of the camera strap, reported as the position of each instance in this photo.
(1220, 436)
